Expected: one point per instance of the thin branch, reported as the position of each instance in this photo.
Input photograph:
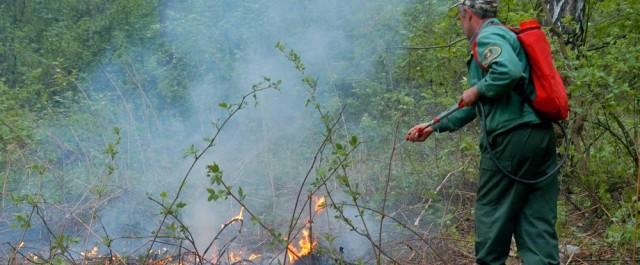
(224, 226)
(427, 47)
(353, 228)
(386, 184)
(187, 233)
(271, 232)
(64, 250)
(615, 135)
(17, 250)
(107, 240)
(24, 232)
(294, 219)
(417, 222)
(6, 124)
(400, 223)
(630, 144)
(256, 89)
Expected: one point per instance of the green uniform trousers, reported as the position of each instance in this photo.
(506, 208)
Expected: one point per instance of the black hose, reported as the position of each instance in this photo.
(506, 172)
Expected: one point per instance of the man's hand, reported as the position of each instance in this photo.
(470, 96)
(419, 133)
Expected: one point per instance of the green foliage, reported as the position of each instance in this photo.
(215, 174)
(61, 243)
(223, 105)
(59, 261)
(215, 195)
(604, 90)
(23, 221)
(112, 148)
(191, 151)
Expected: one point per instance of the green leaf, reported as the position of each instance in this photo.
(213, 195)
(172, 227)
(23, 221)
(353, 141)
(241, 194)
(343, 180)
(215, 174)
(213, 168)
(59, 261)
(106, 241)
(191, 151)
(280, 46)
(311, 82)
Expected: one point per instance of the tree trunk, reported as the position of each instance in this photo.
(556, 12)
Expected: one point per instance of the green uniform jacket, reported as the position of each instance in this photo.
(502, 55)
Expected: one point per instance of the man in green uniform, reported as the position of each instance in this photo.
(513, 136)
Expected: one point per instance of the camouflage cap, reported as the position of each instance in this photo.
(483, 8)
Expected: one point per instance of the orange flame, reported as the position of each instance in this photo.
(234, 257)
(93, 253)
(237, 256)
(254, 257)
(320, 204)
(306, 246)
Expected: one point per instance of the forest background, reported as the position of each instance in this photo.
(104, 106)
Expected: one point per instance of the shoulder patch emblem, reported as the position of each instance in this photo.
(490, 54)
